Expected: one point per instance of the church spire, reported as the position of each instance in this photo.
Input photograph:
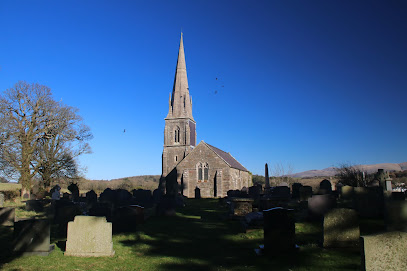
(181, 103)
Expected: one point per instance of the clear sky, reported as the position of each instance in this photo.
(310, 84)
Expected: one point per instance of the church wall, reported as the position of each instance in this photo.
(220, 175)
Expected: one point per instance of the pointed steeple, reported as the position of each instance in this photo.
(181, 103)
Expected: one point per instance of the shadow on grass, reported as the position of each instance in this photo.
(199, 239)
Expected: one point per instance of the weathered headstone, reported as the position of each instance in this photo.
(89, 236)
(347, 192)
(341, 228)
(143, 197)
(325, 187)
(102, 209)
(319, 205)
(396, 215)
(32, 237)
(126, 218)
(34, 205)
(123, 197)
(241, 206)
(385, 251)
(1, 200)
(266, 176)
(305, 192)
(295, 188)
(279, 230)
(7, 216)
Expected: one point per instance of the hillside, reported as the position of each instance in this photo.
(330, 171)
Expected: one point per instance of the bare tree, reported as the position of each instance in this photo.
(281, 173)
(352, 175)
(36, 133)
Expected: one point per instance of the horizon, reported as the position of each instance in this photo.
(304, 85)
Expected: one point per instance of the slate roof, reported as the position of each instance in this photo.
(227, 157)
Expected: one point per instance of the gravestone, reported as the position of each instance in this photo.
(396, 215)
(305, 192)
(295, 188)
(32, 237)
(388, 186)
(89, 236)
(385, 251)
(347, 192)
(319, 205)
(325, 187)
(123, 197)
(157, 194)
(341, 228)
(91, 197)
(1, 200)
(65, 211)
(7, 216)
(369, 201)
(34, 205)
(143, 197)
(279, 230)
(126, 218)
(241, 206)
(254, 191)
(102, 209)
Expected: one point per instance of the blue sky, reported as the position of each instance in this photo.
(305, 84)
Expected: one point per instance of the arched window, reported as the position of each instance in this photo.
(199, 169)
(206, 172)
(176, 135)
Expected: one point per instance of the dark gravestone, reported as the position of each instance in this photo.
(341, 228)
(32, 237)
(91, 197)
(7, 216)
(108, 195)
(143, 197)
(396, 215)
(166, 206)
(1, 200)
(123, 197)
(65, 212)
(157, 194)
(305, 193)
(295, 188)
(279, 230)
(197, 193)
(369, 201)
(254, 191)
(34, 205)
(102, 209)
(127, 217)
(319, 205)
(241, 206)
(325, 187)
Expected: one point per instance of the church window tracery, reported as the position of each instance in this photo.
(176, 135)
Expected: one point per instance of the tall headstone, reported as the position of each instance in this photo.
(266, 176)
(89, 236)
(305, 192)
(341, 228)
(279, 230)
(32, 237)
(241, 206)
(385, 251)
(389, 186)
(295, 190)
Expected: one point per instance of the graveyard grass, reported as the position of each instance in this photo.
(197, 238)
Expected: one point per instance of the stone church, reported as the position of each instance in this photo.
(187, 166)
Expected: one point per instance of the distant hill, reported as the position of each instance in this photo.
(330, 171)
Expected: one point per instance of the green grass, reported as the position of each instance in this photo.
(198, 238)
(10, 186)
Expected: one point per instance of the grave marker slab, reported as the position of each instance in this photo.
(242, 206)
(32, 237)
(341, 228)
(89, 236)
(385, 251)
(279, 230)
